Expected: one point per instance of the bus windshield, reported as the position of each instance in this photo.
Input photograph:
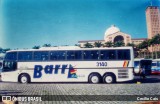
(136, 64)
(154, 64)
(9, 66)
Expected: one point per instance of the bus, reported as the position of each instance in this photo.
(69, 64)
(141, 62)
(156, 66)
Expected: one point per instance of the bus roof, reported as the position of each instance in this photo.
(156, 59)
(138, 59)
(69, 48)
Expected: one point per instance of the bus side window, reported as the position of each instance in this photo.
(112, 54)
(158, 63)
(61, 55)
(123, 54)
(11, 56)
(91, 55)
(107, 54)
(40, 55)
(78, 55)
(53, 55)
(24, 56)
(70, 55)
(86, 55)
(57, 55)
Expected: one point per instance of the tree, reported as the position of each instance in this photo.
(144, 44)
(88, 45)
(5, 50)
(131, 44)
(98, 44)
(77, 45)
(47, 45)
(36, 47)
(156, 39)
(119, 44)
(108, 44)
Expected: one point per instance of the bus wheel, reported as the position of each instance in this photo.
(94, 78)
(24, 78)
(109, 78)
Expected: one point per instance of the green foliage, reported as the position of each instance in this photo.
(131, 44)
(47, 45)
(88, 45)
(36, 47)
(98, 44)
(119, 44)
(108, 44)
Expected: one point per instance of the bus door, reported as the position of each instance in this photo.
(8, 69)
(146, 64)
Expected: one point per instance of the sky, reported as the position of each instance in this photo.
(26, 23)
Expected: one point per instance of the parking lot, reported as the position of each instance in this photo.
(149, 86)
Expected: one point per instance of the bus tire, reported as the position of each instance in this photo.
(109, 78)
(94, 78)
(24, 78)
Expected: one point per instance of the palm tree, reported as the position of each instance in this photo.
(119, 44)
(143, 47)
(88, 45)
(47, 45)
(130, 44)
(98, 44)
(108, 44)
(36, 47)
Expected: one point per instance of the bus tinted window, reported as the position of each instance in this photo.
(136, 64)
(123, 54)
(108, 54)
(90, 55)
(70, 55)
(74, 55)
(158, 63)
(11, 56)
(78, 55)
(41, 56)
(24, 56)
(57, 55)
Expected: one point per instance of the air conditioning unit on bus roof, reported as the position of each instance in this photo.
(60, 47)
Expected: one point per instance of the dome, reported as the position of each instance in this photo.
(111, 30)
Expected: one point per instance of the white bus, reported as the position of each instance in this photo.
(155, 66)
(69, 64)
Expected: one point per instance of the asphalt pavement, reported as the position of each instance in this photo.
(149, 86)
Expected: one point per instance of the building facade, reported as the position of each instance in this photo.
(153, 24)
(153, 21)
(137, 41)
(114, 34)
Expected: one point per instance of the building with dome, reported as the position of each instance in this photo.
(114, 34)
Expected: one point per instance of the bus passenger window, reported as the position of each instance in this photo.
(107, 54)
(11, 56)
(24, 56)
(57, 55)
(90, 55)
(41, 56)
(123, 54)
(70, 55)
(78, 55)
